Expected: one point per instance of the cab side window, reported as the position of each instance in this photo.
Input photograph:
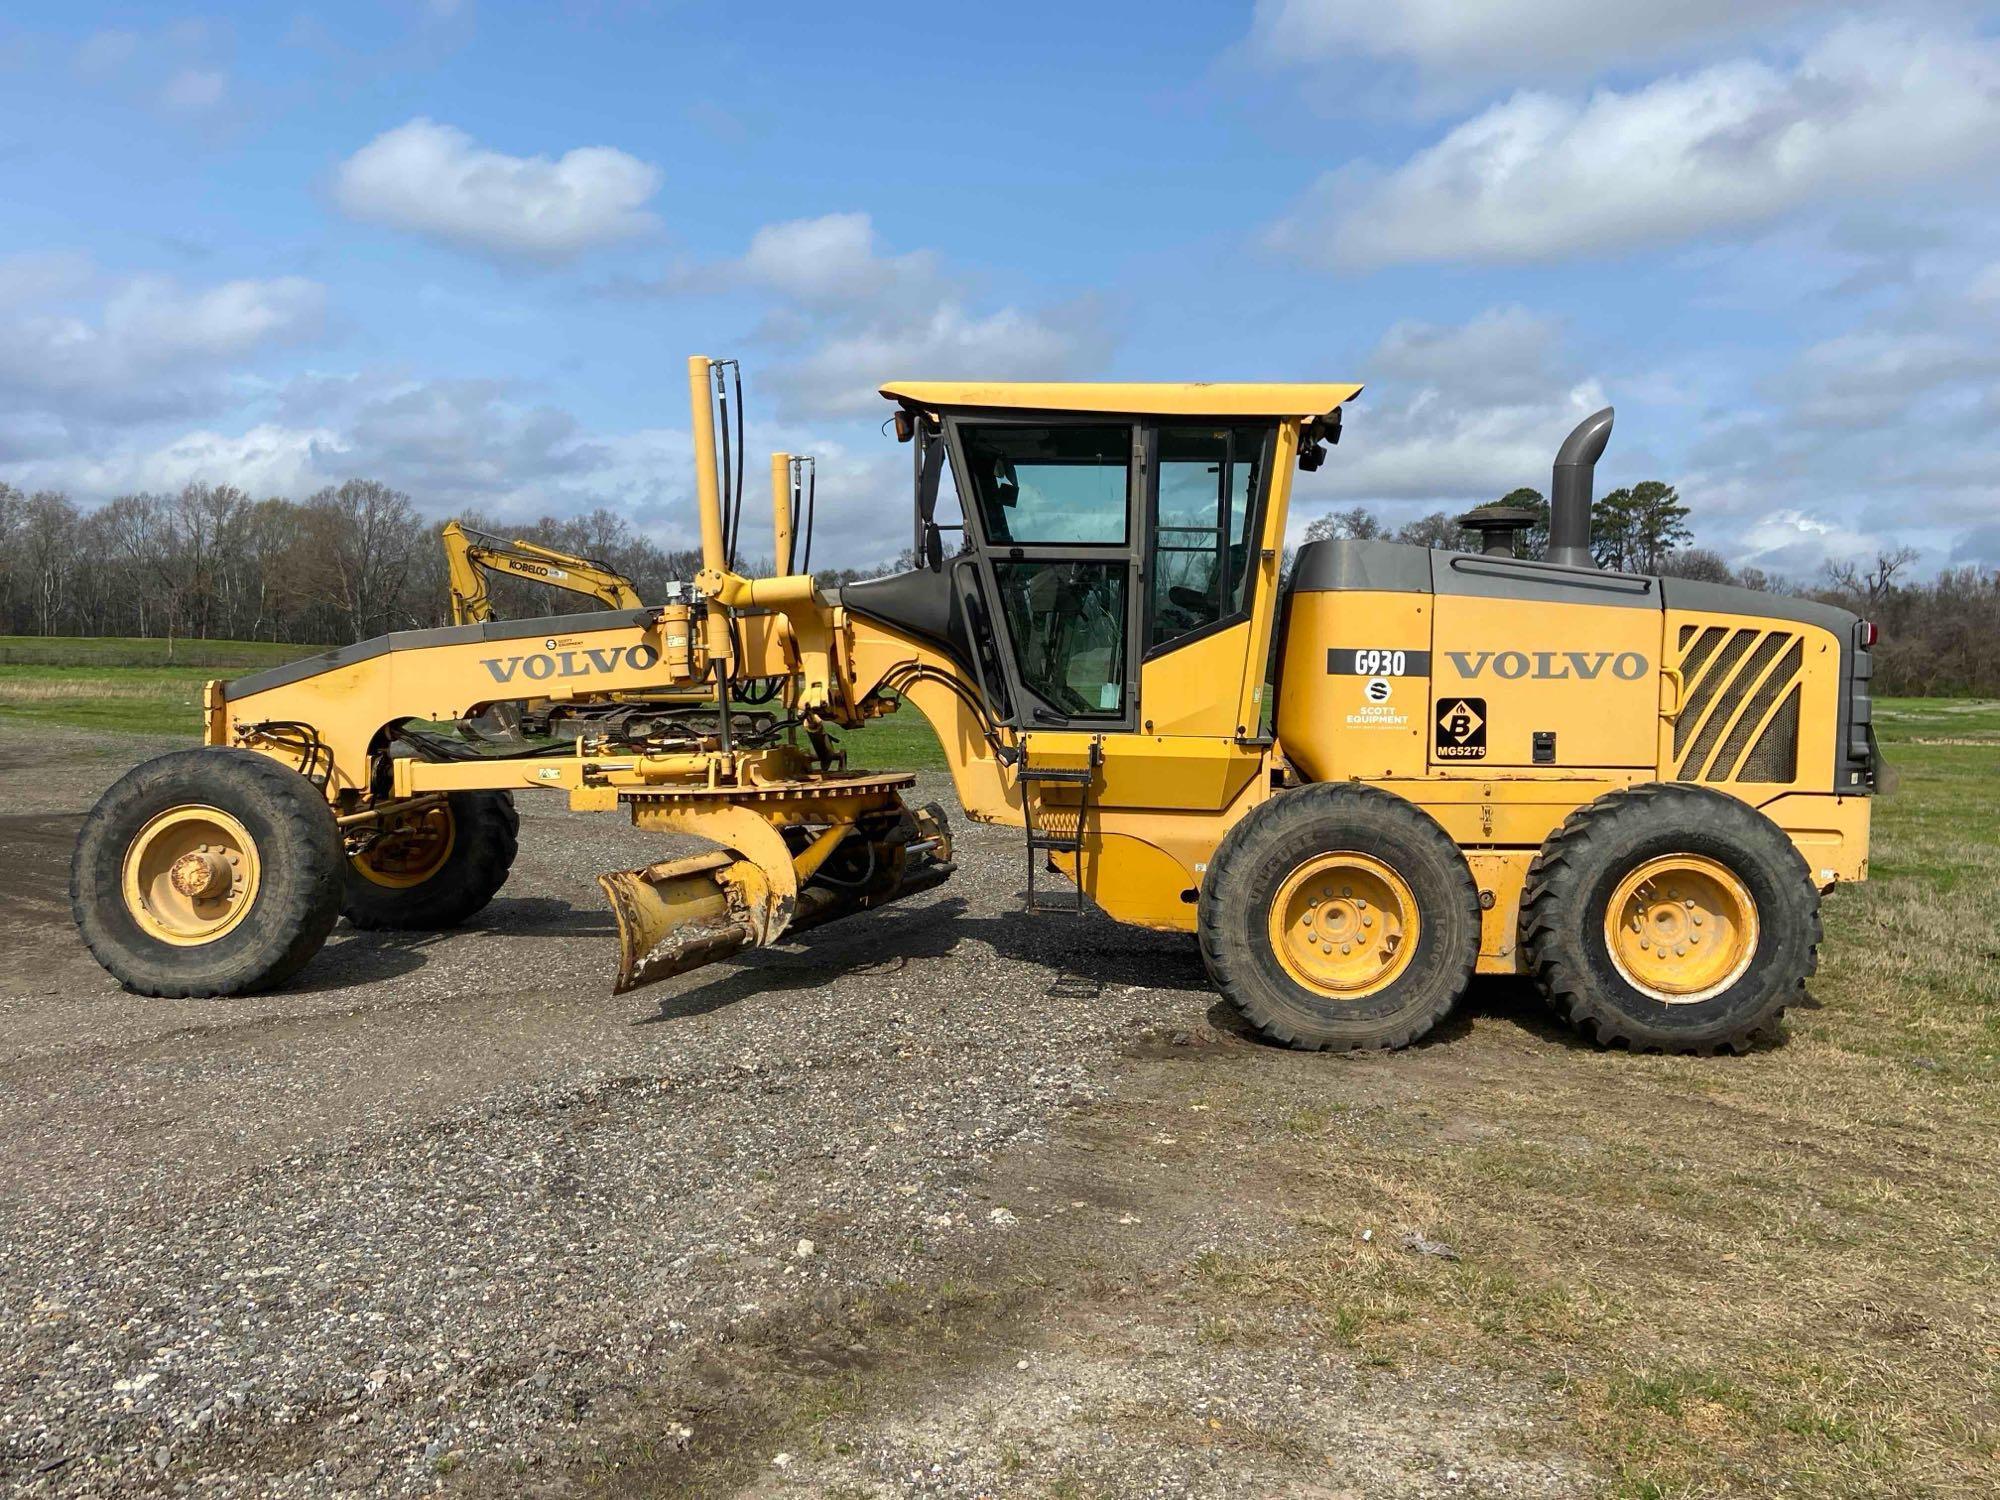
(1211, 480)
(1049, 486)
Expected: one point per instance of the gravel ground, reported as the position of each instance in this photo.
(898, 1208)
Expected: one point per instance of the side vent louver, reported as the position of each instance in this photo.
(1742, 695)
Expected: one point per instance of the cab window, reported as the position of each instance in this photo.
(1066, 619)
(1049, 486)
(1210, 479)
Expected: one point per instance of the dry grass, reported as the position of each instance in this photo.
(1729, 1276)
(74, 689)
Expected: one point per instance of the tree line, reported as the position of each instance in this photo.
(357, 559)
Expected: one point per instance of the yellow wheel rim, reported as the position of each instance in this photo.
(411, 851)
(1681, 928)
(190, 875)
(1344, 924)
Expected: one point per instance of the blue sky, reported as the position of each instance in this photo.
(463, 247)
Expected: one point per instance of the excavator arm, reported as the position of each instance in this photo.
(471, 555)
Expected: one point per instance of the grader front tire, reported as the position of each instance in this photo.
(1670, 918)
(1340, 916)
(206, 872)
(436, 868)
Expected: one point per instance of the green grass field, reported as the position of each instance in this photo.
(1773, 1274)
(127, 686)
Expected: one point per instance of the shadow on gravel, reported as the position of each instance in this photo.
(352, 959)
(883, 942)
(1081, 959)
(541, 916)
(1496, 997)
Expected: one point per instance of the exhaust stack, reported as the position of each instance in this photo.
(1570, 490)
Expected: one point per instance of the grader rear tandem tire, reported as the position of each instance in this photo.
(1340, 915)
(1670, 918)
(436, 869)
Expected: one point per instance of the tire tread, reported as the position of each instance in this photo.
(1231, 963)
(1550, 893)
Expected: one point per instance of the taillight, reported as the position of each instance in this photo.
(1867, 634)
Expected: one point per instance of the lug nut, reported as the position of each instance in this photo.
(1346, 948)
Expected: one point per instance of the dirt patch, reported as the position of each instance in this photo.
(34, 880)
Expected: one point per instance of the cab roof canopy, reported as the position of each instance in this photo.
(1138, 399)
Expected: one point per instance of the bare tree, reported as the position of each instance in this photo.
(1438, 531)
(363, 536)
(1357, 523)
(48, 556)
(1874, 584)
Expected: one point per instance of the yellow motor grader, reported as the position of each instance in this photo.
(1633, 789)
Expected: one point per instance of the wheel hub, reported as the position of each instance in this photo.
(411, 851)
(202, 873)
(1681, 928)
(190, 875)
(1344, 924)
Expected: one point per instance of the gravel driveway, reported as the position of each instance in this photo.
(905, 1206)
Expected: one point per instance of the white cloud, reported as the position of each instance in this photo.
(1527, 38)
(830, 259)
(41, 276)
(1855, 378)
(842, 376)
(104, 53)
(263, 460)
(852, 316)
(173, 69)
(1454, 415)
(1797, 544)
(437, 181)
(456, 444)
(193, 91)
(152, 320)
(1867, 110)
(147, 342)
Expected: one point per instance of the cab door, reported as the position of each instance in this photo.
(1053, 505)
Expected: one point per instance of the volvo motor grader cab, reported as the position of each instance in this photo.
(1632, 789)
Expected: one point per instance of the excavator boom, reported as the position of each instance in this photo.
(471, 555)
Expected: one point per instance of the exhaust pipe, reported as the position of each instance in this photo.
(1569, 492)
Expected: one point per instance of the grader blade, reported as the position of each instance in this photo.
(681, 914)
(675, 916)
